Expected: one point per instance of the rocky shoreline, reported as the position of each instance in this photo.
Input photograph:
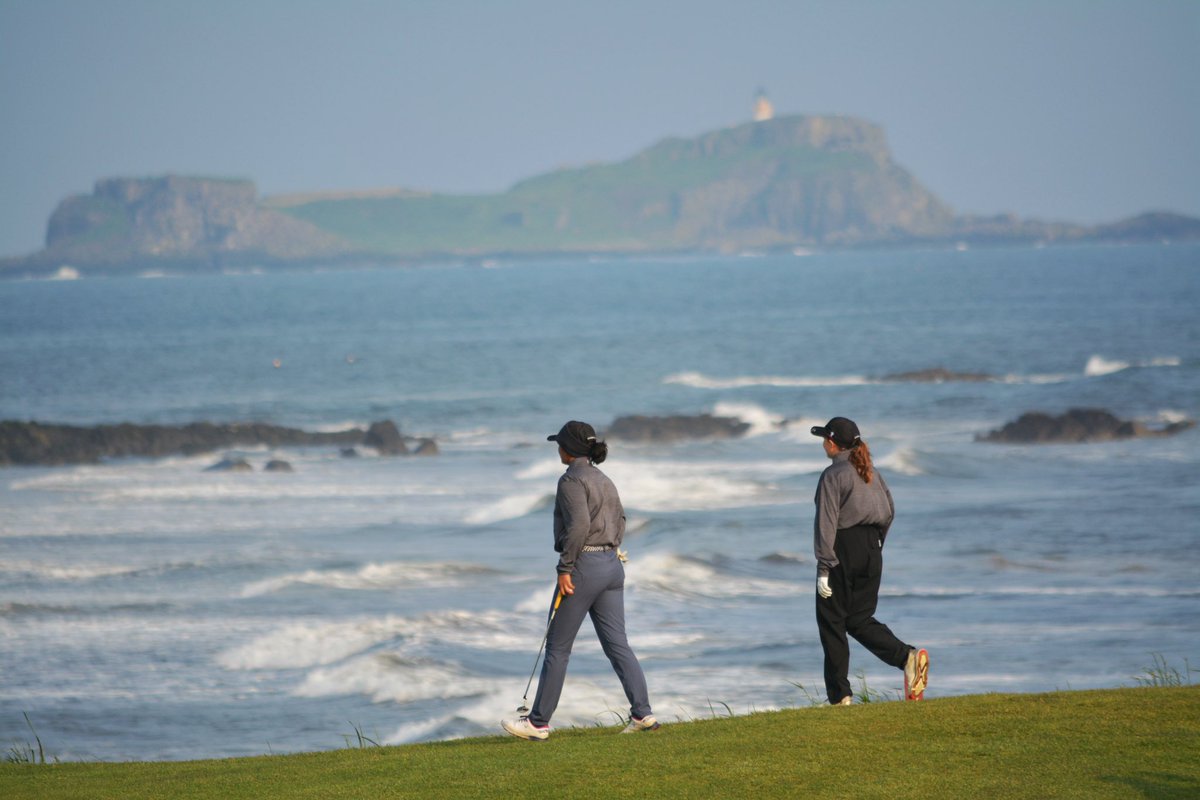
(44, 444)
(41, 444)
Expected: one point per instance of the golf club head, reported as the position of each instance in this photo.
(523, 710)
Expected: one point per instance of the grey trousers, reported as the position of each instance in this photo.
(600, 593)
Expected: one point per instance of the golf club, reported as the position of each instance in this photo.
(523, 709)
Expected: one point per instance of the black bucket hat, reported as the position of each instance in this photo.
(842, 431)
(575, 437)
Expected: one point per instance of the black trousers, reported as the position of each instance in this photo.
(851, 610)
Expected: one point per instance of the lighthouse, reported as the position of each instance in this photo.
(763, 110)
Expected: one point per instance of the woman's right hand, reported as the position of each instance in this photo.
(566, 586)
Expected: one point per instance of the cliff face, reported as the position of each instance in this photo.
(785, 181)
(178, 221)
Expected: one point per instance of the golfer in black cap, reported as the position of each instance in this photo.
(854, 512)
(589, 524)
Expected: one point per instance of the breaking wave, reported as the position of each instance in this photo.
(389, 575)
(699, 380)
(1099, 365)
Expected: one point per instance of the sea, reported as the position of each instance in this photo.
(153, 610)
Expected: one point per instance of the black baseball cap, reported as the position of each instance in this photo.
(575, 437)
(843, 432)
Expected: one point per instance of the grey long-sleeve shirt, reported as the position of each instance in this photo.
(587, 511)
(845, 500)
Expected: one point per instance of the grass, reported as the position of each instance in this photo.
(1163, 674)
(26, 752)
(1134, 742)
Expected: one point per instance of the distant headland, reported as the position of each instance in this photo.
(774, 184)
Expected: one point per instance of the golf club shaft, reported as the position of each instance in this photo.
(558, 596)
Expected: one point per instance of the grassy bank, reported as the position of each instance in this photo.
(1126, 743)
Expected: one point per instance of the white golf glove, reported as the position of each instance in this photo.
(823, 586)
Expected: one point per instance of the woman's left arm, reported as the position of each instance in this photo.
(572, 502)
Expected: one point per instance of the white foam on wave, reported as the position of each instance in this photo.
(74, 572)
(513, 506)
(758, 418)
(1133, 590)
(541, 469)
(256, 486)
(392, 677)
(373, 576)
(670, 573)
(652, 486)
(1171, 416)
(416, 731)
(300, 645)
(305, 644)
(1045, 378)
(903, 460)
(1099, 365)
(699, 380)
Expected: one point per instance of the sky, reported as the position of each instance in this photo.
(1061, 110)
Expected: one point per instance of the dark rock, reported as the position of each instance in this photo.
(1075, 426)
(426, 447)
(675, 428)
(278, 465)
(385, 437)
(349, 452)
(938, 375)
(28, 443)
(231, 465)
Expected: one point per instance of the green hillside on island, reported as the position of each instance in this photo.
(1119, 743)
(776, 184)
(782, 182)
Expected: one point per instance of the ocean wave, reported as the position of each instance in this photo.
(301, 645)
(695, 486)
(513, 506)
(682, 576)
(758, 418)
(1096, 365)
(646, 486)
(1099, 365)
(699, 380)
(903, 460)
(76, 572)
(391, 677)
(960, 592)
(374, 576)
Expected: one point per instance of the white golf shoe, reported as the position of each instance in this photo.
(524, 729)
(646, 723)
(916, 674)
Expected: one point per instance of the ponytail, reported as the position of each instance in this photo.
(597, 452)
(860, 458)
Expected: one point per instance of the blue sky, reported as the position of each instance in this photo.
(1079, 110)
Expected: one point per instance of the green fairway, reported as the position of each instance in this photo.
(1131, 743)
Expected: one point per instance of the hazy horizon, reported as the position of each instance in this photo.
(1074, 111)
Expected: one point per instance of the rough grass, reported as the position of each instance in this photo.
(1122, 743)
